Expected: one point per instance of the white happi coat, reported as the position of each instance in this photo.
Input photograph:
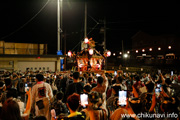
(47, 99)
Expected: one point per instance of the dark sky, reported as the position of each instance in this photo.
(123, 21)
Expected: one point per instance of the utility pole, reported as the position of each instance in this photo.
(58, 25)
(105, 42)
(85, 21)
(65, 59)
(61, 22)
(85, 26)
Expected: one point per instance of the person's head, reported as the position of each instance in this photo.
(168, 104)
(2, 86)
(135, 105)
(168, 81)
(40, 118)
(8, 82)
(39, 77)
(137, 78)
(73, 101)
(119, 80)
(55, 92)
(87, 88)
(90, 80)
(150, 86)
(100, 80)
(116, 89)
(12, 93)
(10, 110)
(76, 75)
(94, 97)
(60, 95)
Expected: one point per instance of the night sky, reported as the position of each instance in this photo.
(22, 21)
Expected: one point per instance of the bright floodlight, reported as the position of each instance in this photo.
(159, 48)
(169, 47)
(125, 55)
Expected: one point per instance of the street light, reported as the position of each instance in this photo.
(143, 50)
(169, 47)
(125, 55)
(159, 48)
(136, 51)
(150, 49)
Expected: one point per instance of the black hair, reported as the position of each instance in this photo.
(120, 79)
(168, 81)
(40, 118)
(12, 93)
(116, 89)
(1, 84)
(55, 92)
(137, 78)
(60, 95)
(150, 86)
(7, 81)
(100, 80)
(94, 96)
(73, 101)
(76, 75)
(87, 88)
(90, 79)
(40, 77)
(82, 78)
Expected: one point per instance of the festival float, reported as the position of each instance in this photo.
(89, 59)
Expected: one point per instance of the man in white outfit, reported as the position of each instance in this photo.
(42, 91)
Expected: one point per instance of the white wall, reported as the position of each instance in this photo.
(32, 65)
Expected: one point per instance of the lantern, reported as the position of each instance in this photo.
(91, 51)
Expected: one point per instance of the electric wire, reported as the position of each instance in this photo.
(26, 22)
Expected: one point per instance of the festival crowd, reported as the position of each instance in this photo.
(100, 95)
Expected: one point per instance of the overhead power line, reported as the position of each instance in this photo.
(27, 21)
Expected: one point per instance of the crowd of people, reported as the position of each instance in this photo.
(113, 95)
